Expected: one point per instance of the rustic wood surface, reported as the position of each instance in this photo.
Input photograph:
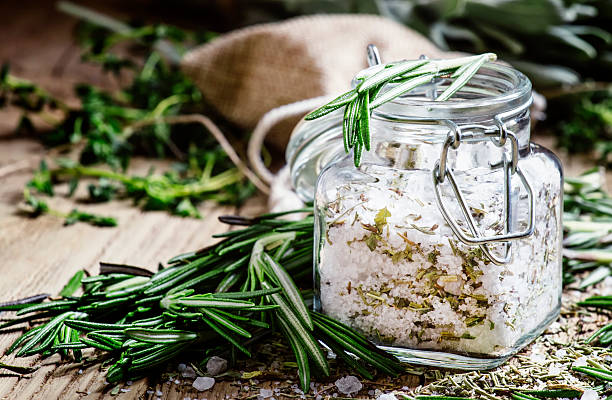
(40, 255)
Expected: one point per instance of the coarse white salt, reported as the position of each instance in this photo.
(589, 394)
(390, 266)
(216, 365)
(554, 369)
(387, 396)
(348, 385)
(188, 372)
(580, 362)
(265, 393)
(202, 383)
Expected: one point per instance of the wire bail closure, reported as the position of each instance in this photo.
(499, 135)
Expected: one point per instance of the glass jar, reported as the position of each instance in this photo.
(444, 245)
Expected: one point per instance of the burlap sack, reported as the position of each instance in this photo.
(248, 72)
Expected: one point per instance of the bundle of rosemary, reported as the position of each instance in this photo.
(219, 300)
(587, 221)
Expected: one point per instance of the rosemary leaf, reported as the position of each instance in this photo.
(160, 336)
(465, 76)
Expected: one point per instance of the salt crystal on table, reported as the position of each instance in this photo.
(554, 369)
(188, 372)
(580, 362)
(264, 393)
(216, 365)
(387, 396)
(538, 358)
(349, 384)
(589, 394)
(561, 353)
(203, 383)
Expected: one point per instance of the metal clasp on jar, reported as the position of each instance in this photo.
(500, 136)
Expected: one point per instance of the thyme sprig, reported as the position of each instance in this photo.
(405, 76)
(220, 299)
(152, 115)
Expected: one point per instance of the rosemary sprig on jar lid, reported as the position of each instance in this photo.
(406, 75)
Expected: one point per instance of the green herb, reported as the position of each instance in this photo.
(153, 115)
(380, 219)
(588, 228)
(17, 369)
(143, 321)
(582, 119)
(36, 206)
(359, 102)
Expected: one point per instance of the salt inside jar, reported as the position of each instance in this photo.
(444, 245)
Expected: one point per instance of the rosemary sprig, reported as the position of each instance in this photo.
(367, 95)
(224, 297)
(588, 229)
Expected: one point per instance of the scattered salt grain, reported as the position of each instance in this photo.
(387, 396)
(216, 365)
(125, 390)
(538, 358)
(561, 353)
(158, 393)
(554, 369)
(348, 385)
(188, 372)
(150, 392)
(203, 383)
(589, 394)
(264, 394)
(580, 362)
